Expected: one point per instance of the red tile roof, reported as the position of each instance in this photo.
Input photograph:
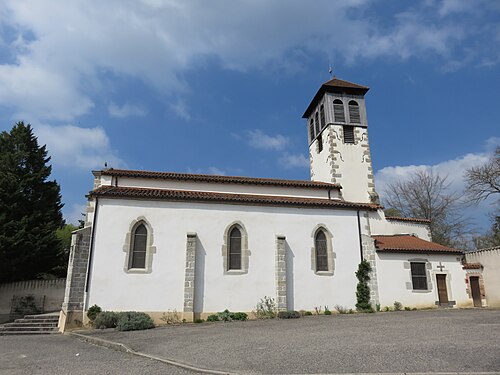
(217, 179)
(203, 196)
(335, 86)
(472, 266)
(409, 219)
(408, 243)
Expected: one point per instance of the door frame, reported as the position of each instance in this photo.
(445, 277)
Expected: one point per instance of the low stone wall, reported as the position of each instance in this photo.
(51, 292)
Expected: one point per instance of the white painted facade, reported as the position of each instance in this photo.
(379, 225)
(114, 289)
(395, 282)
(490, 262)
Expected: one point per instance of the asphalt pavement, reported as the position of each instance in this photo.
(393, 342)
(61, 354)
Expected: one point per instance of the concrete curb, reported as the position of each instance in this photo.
(125, 349)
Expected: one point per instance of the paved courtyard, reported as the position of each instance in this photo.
(414, 341)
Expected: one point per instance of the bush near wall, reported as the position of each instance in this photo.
(133, 321)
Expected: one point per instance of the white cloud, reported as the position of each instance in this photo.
(294, 161)
(180, 109)
(63, 49)
(126, 110)
(75, 147)
(258, 139)
(73, 213)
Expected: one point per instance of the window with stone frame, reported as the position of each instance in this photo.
(137, 258)
(418, 275)
(234, 261)
(338, 111)
(321, 251)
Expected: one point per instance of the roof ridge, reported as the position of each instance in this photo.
(155, 193)
(217, 178)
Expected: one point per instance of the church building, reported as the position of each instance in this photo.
(200, 244)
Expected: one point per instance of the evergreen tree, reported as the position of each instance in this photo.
(363, 289)
(30, 207)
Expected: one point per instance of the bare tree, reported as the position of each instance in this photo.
(427, 195)
(484, 181)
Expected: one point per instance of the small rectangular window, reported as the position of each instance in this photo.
(418, 276)
(322, 117)
(320, 143)
(348, 134)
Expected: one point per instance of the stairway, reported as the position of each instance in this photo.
(32, 325)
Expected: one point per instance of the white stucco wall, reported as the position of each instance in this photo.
(394, 279)
(490, 260)
(162, 289)
(379, 225)
(350, 168)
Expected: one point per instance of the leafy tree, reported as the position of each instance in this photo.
(30, 207)
(426, 195)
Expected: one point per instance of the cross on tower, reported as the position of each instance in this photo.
(440, 267)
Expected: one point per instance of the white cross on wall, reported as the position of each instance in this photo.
(440, 267)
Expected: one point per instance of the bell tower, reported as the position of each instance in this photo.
(337, 129)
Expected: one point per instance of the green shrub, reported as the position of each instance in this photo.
(398, 306)
(198, 320)
(213, 318)
(93, 312)
(327, 311)
(288, 315)
(266, 308)
(225, 316)
(106, 319)
(351, 311)
(377, 307)
(239, 316)
(308, 313)
(387, 308)
(133, 321)
(407, 308)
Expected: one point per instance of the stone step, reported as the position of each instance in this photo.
(38, 324)
(12, 333)
(27, 328)
(51, 320)
(42, 316)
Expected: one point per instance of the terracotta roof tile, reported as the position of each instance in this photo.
(202, 196)
(408, 243)
(217, 179)
(336, 86)
(472, 266)
(409, 219)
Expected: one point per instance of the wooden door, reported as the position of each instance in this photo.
(476, 291)
(442, 290)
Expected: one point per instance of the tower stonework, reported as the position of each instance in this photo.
(339, 151)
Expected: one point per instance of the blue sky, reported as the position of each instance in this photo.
(220, 87)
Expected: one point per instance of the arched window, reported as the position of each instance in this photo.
(311, 129)
(137, 258)
(354, 112)
(322, 116)
(321, 251)
(338, 111)
(234, 249)
(316, 121)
